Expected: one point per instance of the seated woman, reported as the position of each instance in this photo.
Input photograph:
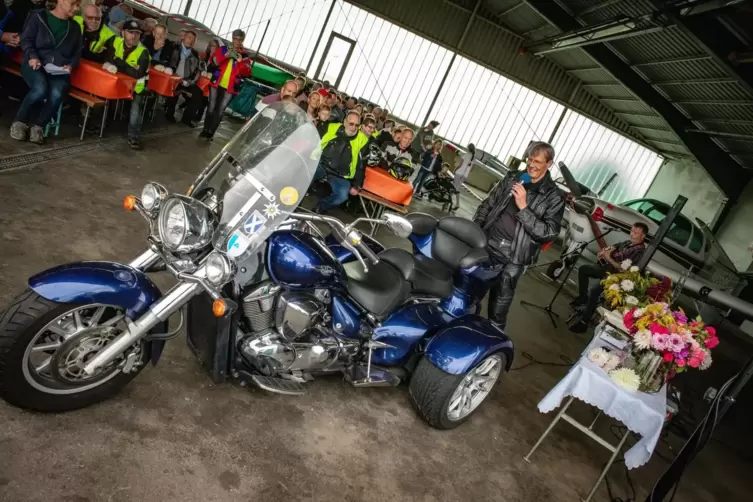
(52, 43)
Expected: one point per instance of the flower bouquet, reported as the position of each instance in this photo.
(665, 342)
(629, 288)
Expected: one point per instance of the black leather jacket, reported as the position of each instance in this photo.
(537, 224)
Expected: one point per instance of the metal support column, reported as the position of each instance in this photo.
(188, 7)
(564, 111)
(319, 38)
(452, 61)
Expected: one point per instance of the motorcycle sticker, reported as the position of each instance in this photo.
(271, 210)
(254, 223)
(289, 196)
(237, 244)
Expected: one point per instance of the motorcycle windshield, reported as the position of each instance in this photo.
(267, 169)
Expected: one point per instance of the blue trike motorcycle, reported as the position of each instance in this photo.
(265, 298)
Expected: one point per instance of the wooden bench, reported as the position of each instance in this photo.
(77, 94)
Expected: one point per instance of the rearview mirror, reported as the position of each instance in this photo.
(399, 225)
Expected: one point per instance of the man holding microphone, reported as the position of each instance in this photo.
(520, 214)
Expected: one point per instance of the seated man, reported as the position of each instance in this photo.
(608, 260)
(400, 149)
(340, 162)
(289, 88)
(130, 57)
(158, 46)
(95, 32)
(184, 61)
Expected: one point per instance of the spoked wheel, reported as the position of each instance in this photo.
(45, 345)
(445, 400)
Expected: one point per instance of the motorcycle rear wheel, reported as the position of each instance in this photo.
(43, 345)
(438, 397)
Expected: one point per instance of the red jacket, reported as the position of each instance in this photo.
(241, 69)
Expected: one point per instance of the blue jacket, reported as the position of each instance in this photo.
(426, 159)
(37, 41)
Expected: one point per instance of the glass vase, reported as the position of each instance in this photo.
(651, 371)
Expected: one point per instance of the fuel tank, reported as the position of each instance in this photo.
(298, 260)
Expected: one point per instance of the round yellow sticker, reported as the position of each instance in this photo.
(289, 196)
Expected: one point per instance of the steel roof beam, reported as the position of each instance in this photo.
(714, 102)
(688, 59)
(703, 81)
(729, 176)
(719, 134)
(598, 7)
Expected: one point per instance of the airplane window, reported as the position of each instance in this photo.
(681, 227)
(696, 241)
(642, 206)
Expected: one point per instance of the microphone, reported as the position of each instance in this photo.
(525, 178)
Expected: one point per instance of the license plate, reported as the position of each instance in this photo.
(577, 227)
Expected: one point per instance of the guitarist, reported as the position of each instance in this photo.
(609, 260)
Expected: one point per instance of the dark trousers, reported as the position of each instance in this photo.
(46, 91)
(418, 183)
(194, 98)
(590, 295)
(503, 291)
(219, 98)
(340, 190)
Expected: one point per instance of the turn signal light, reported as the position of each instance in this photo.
(129, 203)
(598, 214)
(219, 308)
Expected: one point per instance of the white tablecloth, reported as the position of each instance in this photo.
(640, 412)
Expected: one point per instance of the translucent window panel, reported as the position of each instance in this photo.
(170, 6)
(499, 116)
(593, 153)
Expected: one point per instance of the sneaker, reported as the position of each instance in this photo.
(36, 135)
(188, 123)
(134, 143)
(577, 302)
(204, 134)
(19, 131)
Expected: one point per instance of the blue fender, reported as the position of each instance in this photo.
(463, 343)
(101, 282)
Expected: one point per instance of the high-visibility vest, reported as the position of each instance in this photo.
(105, 34)
(132, 60)
(358, 142)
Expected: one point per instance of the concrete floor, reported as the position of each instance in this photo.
(173, 435)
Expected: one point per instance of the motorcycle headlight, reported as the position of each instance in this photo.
(185, 224)
(219, 268)
(152, 196)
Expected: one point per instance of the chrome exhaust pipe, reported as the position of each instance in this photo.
(160, 311)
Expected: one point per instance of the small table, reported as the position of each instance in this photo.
(374, 206)
(380, 182)
(640, 412)
(161, 83)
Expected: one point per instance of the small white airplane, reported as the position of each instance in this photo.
(689, 249)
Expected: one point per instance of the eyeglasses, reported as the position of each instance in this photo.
(352, 124)
(94, 18)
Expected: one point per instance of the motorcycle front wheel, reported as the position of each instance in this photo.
(44, 346)
(445, 400)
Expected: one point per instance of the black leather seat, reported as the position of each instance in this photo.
(380, 290)
(452, 243)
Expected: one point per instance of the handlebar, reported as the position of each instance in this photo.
(346, 235)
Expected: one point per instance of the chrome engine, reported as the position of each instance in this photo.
(290, 333)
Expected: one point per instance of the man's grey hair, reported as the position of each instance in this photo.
(539, 147)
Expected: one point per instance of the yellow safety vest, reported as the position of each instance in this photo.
(132, 60)
(358, 142)
(105, 34)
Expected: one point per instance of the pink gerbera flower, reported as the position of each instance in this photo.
(675, 343)
(660, 341)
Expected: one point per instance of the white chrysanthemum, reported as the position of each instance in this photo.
(631, 300)
(598, 356)
(634, 268)
(627, 285)
(614, 287)
(706, 361)
(642, 339)
(612, 363)
(638, 313)
(625, 265)
(625, 378)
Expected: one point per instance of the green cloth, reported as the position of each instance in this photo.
(58, 27)
(270, 75)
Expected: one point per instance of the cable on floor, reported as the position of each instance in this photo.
(532, 360)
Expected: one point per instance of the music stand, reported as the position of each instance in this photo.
(577, 253)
